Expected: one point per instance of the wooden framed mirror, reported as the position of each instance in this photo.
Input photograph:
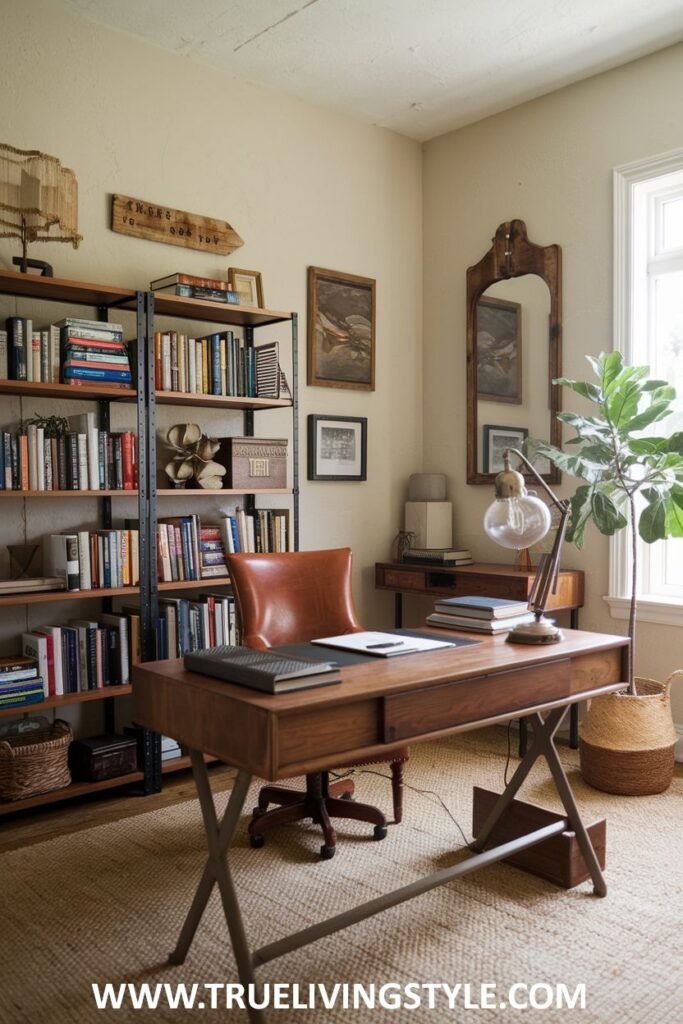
(514, 350)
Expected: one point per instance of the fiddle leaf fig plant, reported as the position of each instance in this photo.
(631, 478)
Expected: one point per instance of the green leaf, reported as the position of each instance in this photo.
(652, 522)
(590, 391)
(580, 515)
(606, 515)
(657, 411)
(610, 365)
(674, 514)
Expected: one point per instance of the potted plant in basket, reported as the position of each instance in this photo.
(631, 480)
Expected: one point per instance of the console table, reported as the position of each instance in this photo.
(487, 579)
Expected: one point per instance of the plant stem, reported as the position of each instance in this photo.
(632, 610)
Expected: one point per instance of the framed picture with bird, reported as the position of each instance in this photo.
(341, 330)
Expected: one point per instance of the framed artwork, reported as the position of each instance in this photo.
(499, 350)
(341, 330)
(248, 284)
(337, 447)
(496, 440)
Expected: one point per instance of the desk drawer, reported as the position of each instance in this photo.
(404, 579)
(423, 711)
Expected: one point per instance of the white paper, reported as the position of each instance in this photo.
(385, 645)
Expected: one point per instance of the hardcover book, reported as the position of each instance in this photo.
(260, 670)
(482, 607)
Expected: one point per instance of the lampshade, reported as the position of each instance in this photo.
(38, 198)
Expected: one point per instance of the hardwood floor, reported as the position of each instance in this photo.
(30, 827)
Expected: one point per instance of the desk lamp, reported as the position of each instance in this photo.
(516, 520)
(37, 195)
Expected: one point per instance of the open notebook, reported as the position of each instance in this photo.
(384, 645)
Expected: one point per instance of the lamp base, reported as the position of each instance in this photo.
(542, 631)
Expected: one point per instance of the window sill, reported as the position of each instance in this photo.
(662, 611)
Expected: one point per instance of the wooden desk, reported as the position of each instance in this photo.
(393, 701)
(490, 580)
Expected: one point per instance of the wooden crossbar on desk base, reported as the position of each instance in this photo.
(419, 697)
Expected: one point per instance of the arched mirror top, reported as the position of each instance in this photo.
(532, 404)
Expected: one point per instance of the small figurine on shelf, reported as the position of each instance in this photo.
(402, 542)
(193, 462)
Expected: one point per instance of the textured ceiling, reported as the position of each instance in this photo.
(418, 67)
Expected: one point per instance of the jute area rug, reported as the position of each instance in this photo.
(106, 905)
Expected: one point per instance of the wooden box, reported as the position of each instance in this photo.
(96, 758)
(557, 859)
(253, 463)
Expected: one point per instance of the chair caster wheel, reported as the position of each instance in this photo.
(257, 840)
(347, 796)
(379, 832)
(327, 852)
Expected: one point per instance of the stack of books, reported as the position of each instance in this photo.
(178, 553)
(260, 530)
(31, 584)
(438, 556)
(211, 552)
(93, 351)
(209, 289)
(481, 614)
(20, 683)
(29, 355)
(170, 748)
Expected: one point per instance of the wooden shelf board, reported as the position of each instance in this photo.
(216, 581)
(69, 792)
(68, 698)
(47, 596)
(174, 492)
(166, 304)
(177, 764)
(59, 289)
(69, 494)
(33, 389)
(221, 401)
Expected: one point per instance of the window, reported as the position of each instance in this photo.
(649, 330)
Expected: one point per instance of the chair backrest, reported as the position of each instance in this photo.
(293, 597)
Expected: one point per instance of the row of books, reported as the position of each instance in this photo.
(93, 559)
(73, 351)
(83, 459)
(490, 615)
(20, 683)
(258, 530)
(220, 364)
(191, 625)
(85, 654)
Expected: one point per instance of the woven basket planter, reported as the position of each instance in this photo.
(35, 762)
(627, 743)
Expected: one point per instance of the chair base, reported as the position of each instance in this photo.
(321, 801)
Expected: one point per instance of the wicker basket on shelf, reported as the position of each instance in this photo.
(35, 762)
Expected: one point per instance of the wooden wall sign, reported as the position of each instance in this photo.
(175, 227)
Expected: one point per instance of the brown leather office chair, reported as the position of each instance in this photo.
(293, 598)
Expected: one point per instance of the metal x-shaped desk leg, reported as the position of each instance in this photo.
(217, 870)
(544, 733)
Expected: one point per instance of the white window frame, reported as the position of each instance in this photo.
(668, 611)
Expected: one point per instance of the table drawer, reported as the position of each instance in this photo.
(404, 579)
(428, 710)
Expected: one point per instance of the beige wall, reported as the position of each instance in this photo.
(548, 162)
(300, 185)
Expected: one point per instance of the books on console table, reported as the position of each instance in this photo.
(260, 670)
(476, 607)
(438, 556)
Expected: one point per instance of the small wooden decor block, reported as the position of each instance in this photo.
(156, 223)
(557, 859)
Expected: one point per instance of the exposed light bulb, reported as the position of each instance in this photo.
(517, 522)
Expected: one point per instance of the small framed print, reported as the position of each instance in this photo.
(496, 440)
(341, 330)
(337, 447)
(249, 286)
(499, 350)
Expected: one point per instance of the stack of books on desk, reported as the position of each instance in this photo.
(482, 614)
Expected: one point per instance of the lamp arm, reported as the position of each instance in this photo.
(557, 502)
